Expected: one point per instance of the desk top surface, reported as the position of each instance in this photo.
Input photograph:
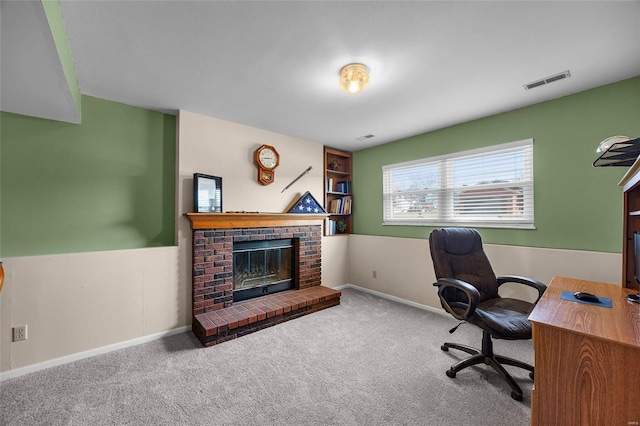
(621, 323)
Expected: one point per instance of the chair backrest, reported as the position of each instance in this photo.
(457, 253)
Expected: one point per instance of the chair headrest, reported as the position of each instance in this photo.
(459, 241)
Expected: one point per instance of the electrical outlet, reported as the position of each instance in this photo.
(19, 333)
(375, 274)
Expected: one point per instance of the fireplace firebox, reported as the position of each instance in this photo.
(262, 267)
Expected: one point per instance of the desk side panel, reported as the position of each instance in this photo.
(583, 380)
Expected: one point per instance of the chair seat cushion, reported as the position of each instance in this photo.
(504, 318)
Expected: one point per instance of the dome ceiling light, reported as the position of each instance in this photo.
(354, 78)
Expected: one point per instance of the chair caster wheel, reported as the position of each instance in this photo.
(516, 396)
(451, 373)
(444, 348)
(531, 375)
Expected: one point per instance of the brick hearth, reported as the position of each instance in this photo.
(216, 318)
(255, 314)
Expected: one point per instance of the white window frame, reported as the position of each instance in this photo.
(445, 190)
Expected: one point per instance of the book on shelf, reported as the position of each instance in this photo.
(329, 226)
(344, 187)
(330, 185)
(333, 227)
(340, 205)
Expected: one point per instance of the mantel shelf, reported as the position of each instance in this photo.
(251, 220)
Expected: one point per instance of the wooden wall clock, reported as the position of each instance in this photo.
(267, 159)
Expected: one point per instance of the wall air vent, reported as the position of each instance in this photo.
(547, 80)
(365, 137)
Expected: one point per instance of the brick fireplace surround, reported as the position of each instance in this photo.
(216, 318)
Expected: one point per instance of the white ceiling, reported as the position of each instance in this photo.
(32, 81)
(274, 64)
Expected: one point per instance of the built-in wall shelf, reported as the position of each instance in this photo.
(338, 200)
(630, 224)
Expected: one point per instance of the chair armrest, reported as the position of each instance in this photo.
(523, 280)
(472, 293)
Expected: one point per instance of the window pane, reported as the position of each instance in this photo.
(489, 202)
(478, 170)
(414, 205)
(414, 178)
(491, 187)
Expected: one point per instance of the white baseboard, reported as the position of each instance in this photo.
(87, 354)
(393, 298)
(144, 339)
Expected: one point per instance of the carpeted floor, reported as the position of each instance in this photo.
(369, 361)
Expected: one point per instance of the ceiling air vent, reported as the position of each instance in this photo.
(365, 137)
(547, 80)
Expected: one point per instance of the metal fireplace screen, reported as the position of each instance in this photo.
(262, 267)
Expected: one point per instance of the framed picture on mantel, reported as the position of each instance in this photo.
(207, 193)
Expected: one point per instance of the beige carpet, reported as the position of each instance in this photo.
(369, 361)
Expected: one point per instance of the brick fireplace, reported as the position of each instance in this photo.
(216, 317)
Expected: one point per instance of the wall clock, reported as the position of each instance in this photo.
(266, 159)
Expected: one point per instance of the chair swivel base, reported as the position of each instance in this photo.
(486, 356)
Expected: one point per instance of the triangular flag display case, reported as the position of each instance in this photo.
(307, 204)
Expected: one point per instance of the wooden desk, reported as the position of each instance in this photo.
(587, 358)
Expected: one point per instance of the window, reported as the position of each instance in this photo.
(491, 187)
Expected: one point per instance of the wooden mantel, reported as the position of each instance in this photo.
(251, 220)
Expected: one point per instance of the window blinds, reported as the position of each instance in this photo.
(486, 187)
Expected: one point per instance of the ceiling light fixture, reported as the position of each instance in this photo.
(354, 78)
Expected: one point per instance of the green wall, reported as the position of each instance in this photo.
(577, 206)
(105, 184)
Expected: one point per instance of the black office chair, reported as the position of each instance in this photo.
(468, 290)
